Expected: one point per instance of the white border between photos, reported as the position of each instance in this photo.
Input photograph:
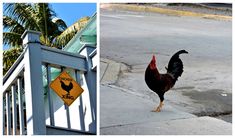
(98, 69)
(98, 50)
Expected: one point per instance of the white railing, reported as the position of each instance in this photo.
(29, 106)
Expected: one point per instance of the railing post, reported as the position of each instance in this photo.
(34, 97)
(90, 78)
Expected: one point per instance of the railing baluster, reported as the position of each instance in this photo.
(68, 115)
(82, 123)
(14, 112)
(21, 108)
(67, 109)
(8, 113)
(3, 114)
(50, 100)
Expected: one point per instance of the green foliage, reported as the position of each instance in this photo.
(10, 56)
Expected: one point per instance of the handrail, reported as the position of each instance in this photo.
(13, 67)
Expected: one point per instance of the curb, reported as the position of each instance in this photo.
(110, 71)
(141, 8)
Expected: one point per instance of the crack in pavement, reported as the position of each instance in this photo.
(143, 122)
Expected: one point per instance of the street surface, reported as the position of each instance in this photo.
(204, 89)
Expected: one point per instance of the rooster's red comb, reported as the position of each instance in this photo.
(154, 58)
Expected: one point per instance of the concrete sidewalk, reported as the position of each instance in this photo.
(125, 113)
(110, 70)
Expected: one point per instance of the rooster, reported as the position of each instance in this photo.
(67, 88)
(161, 83)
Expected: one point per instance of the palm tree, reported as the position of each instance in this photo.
(18, 17)
(10, 56)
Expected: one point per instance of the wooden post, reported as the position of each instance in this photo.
(36, 124)
(90, 78)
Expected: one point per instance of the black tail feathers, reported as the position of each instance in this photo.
(175, 65)
(180, 52)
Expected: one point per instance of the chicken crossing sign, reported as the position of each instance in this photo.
(66, 88)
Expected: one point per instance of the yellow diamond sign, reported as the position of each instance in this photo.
(66, 88)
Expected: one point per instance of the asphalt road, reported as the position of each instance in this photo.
(205, 87)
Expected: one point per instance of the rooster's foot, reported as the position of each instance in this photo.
(159, 108)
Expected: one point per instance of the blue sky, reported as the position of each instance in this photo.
(71, 12)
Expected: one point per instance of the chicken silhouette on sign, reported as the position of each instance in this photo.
(66, 88)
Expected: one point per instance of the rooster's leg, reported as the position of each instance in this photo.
(158, 109)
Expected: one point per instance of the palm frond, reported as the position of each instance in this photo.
(12, 25)
(23, 13)
(12, 39)
(45, 41)
(70, 32)
(30, 16)
(60, 23)
(9, 57)
(44, 16)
